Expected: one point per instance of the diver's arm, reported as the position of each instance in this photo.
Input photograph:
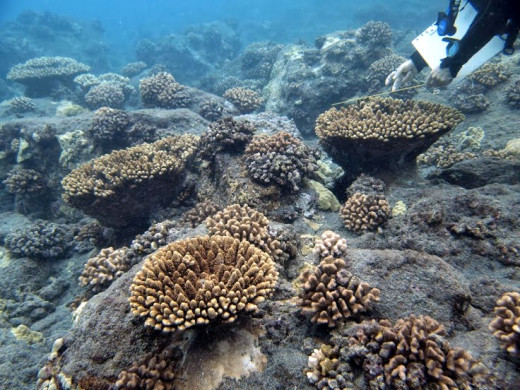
(486, 25)
(418, 61)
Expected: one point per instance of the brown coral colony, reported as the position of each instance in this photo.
(195, 281)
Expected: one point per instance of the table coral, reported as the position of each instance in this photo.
(40, 75)
(381, 134)
(122, 187)
(506, 325)
(195, 281)
(331, 294)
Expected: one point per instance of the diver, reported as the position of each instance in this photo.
(494, 17)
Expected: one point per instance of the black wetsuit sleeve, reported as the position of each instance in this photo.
(418, 61)
(490, 21)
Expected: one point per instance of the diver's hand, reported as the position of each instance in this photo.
(404, 73)
(439, 77)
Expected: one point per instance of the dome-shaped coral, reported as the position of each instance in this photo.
(202, 279)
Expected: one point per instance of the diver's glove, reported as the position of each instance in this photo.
(404, 73)
(439, 77)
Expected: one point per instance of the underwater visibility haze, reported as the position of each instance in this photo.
(229, 195)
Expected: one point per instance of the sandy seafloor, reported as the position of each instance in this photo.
(450, 255)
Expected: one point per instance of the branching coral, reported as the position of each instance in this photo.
(375, 34)
(506, 325)
(40, 240)
(199, 280)
(330, 244)
(122, 187)
(246, 100)
(23, 181)
(330, 294)
(153, 371)
(225, 135)
(380, 69)
(133, 68)
(365, 212)
(411, 354)
(383, 133)
(101, 270)
(107, 124)
(20, 105)
(245, 223)
(161, 90)
(105, 94)
(199, 213)
(280, 159)
(159, 234)
(211, 109)
(490, 74)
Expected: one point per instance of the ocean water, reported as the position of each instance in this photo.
(225, 195)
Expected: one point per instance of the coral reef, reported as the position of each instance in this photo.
(375, 34)
(330, 294)
(21, 105)
(246, 100)
(101, 270)
(199, 280)
(444, 156)
(410, 354)
(363, 212)
(280, 159)
(382, 134)
(105, 94)
(199, 213)
(121, 188)
(41, 75)
(225, 135)
(161, 90)
(23, 181)
(366, 185)
(330, 244)
(506, 325)
(40, 240)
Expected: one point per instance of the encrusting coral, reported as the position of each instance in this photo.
(195, 281)
(122, 187)
(411, 354)
(330, 244)
(365, 212)
(246, 100)
(381, 134)
(161, 90)
(280, 159)
(506, 325)
(331, 294)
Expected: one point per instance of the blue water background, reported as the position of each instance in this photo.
(126, 21)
